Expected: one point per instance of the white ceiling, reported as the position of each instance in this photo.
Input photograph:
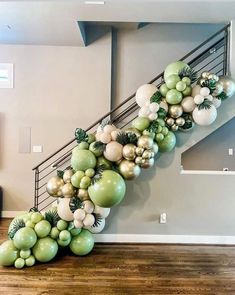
(52, 22)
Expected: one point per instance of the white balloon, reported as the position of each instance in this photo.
(78, 223)
(216, 102)
(152, 116)
(198, 99)
(114, 134)
(79, 214)
(88, 206)
(97, 229)
(188, 104)
(64, 211)
(164, 105)
(103, 212)
(144, 93)
(205, 117)
(89, 220)
(105, 137)
(144, 112)
(196, 90)
(209, 97)
(204, 91)
(154, 107)
(109, 128)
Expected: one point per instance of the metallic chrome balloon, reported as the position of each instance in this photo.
(147, 154)
(129, 170)
(54, 186)
(174, 127)
(201, 81)
(128, 151)
(175, 111)
(147, 163)
(139, 151)
(145, 142)
(68, 190)
(170, 121)
(218, 89)
(228, 85)
(138, 160)
(83, 194)
(180, 121)
(67, 175)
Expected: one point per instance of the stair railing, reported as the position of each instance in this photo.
(210, 55)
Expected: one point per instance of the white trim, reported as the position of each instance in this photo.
(164, 239)
(207, 172)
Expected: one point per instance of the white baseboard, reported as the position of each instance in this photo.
(144, 239)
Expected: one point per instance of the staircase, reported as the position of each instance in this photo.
(211, 55)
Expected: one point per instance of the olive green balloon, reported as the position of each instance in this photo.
(174, 96)
(171, 81)
(45, 249)
(168, 143)
(8, 253)
(106, 164)
(82, 244)
(163, 90)
(83, 160)
(174, 68)
(141, 123)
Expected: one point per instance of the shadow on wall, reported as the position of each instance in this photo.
(1, 138)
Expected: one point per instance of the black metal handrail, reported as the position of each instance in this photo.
(198, 55)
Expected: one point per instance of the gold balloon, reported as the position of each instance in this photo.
(138, 160)
(180, 121)
(218, 89)
(68, 190)
(205, 75)
(133, 130)
(147, 163)
(83, 194)
(129, 170)
(139, 151)
(147, 154)
(202, 81)
(228, 85)
(175, 110)
(67, 175)
(128, 151)
(170, 121)
(145, 142)
(54, 186)
(174, 127)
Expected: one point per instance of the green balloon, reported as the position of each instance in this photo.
(76, 178)
(82, 244)
(109, 190)
(174, 96)
(96, 152)
(187, 91)
(45, 249)
(8, 253)
(82, 160)
(172, 80)
(163, 90)
(42, 228)
(168, 143)
(25, 238)
(24, 216)
(107, 165)
(141, 123)
(174, 68)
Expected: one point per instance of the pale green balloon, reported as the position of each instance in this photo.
(25, 238)
(172, 80)
(174, 68)
(163, 89)
(8, 253)
(83, 243)
(141, 123)
(45, 249)
(174, 96)
(83, 160)
(168, 143)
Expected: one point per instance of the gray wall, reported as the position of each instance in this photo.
(195, 204)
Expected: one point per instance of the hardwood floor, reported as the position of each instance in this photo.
(127, 269)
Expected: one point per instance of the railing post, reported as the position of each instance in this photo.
(36, 183)
(226, 51)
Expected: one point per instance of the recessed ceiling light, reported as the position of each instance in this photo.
(95, 2)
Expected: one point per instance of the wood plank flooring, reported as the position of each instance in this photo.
(127, 269)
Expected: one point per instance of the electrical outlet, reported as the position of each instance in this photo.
(230, 152)
(37, 148)
(162, 218)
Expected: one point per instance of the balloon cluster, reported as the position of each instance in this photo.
(101, 162)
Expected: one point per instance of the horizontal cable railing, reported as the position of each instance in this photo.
(211, 55)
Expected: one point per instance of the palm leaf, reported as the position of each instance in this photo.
(153, 126)
(211, 84)
(98, 220)
(126, 137)
(99, 146)
(81, 135)
(60, 173)
(156, 97)
(17, 224)
(206, 105)
(75, 203)
(52, 217)
(188, 72)
(98, 174)
(222, 95)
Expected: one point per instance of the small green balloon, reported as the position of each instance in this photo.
(8, 253)
(75, 231)
(180, 86)
(187, 91)
(95, 151)
(42, 228)
(141, 123)
(64, 243)
(25, 238)
(19, 263)
(186, 80)
(172, 80)
(25, 253)
(82, 160)
(174, 96)
(45, 249)
(30, 261)
(168, 143)
(76, 178)
(163, 90)
(82, 244)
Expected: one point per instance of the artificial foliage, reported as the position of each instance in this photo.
(102, 162)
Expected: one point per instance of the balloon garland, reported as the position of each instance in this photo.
(102, 161)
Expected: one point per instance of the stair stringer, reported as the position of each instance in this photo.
(195, 204)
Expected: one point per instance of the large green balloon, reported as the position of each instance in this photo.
(83, 243)
(45, 249)
(25, 238)
(82, 160)
(109, 190)
(8, 253)
(174, 68)
(168, 143)
(141, 123)
(173, 96)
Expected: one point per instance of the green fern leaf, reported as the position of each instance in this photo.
(156, 97)
(81, 135)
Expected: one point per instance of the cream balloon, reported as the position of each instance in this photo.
(102, 212)
(164, 105)
(78, 223)
(88, 206)
(196, 90)
(63, 209)
(144, 93)
(113, 151)
(188, 104)
(105, 137)
(89, 220)
(109, 128)
(67, 175)
(153, 116)
(79, 214)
